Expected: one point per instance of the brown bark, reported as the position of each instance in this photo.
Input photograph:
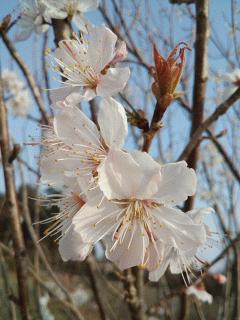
(200, 80)
(12, 207)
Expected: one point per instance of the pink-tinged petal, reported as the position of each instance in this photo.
(96, 219)
(71, 247)
(113, 82)
(87, 5)
(101, 47)
(121, 52)
(112, 120)
(121, 176)
(177, 229)
(177, 183)
(74, 127)
(131, 251)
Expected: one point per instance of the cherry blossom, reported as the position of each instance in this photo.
(33, 17)
(74, 145)
(72, 9)
(87, 66)
(136, 217)
(17, 97)
(200, 293)
(232, 83)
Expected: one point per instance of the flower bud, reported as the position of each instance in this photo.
(167, 73)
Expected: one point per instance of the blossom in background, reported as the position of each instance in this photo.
(17, 98)
(71, 9)
(33, 18)
(232, 83)
(219, 278)
(11, 82)
(136, 218)
(44, 310)
(199, 292)
(87, 66)
(167, 73)
(76, 146)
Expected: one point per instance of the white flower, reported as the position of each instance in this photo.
(20, 103)
(200, 293)
(76, 147)
(33, 17)
(45, 312)
(181, 260)
(11, 81)
(233, 82)
(87, 66)
(71, 9)
(136, 218)
(16, 96)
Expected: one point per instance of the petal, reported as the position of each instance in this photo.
(177, 229)
(112, 112)
(75, 128)
(72, 94)
(177, 183)
(71, 247)
(101, 47)
(87, 5)
(121, 177)
(113, 82)
(96, 219)
(159, 272)
(81, 22)
(198, 214)
(131, 251)
(24, 31)
(154, 255)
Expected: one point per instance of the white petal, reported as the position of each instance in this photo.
(198, 214)
(177, 229)
(87, 5)
(159, 272)
(101, 47)
(71, 247)
(81, 22)
(154, 255)
(96, 219)
(121, 177)
(61, 94)
(112, 120)
(73, 127)
(131, 251)
(177, 183)
(113, 82)
(23, 32)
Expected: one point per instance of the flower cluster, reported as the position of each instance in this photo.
(36, 15)
(125, 199)
(17, 97)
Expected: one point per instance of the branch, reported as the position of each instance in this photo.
(93, 280)
(12, 207)
(220, 110)
(200, 81)
(30, 80)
